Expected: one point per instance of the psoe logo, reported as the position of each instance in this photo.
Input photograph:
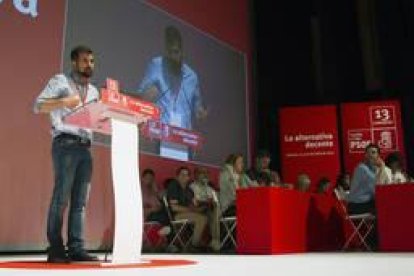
(26, 7)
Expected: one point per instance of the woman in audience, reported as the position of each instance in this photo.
(232, 177)
(153, 208)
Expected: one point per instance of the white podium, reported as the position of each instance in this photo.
(119, 116)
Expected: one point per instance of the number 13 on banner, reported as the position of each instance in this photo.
(382, 115)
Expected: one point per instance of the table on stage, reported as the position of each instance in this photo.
(273, 220)
(395, 208)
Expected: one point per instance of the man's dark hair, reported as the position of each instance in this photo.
(373, 146)
(81, 49)
(148, 171)
(180, 169)
(394, 157)
(323, 185)
(172, 34)
(263, 153)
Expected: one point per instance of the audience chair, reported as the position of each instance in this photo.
(179, 228)
(229, 225)
(362, 226)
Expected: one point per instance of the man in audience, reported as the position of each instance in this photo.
(206, 198)
(361, 198)
(261, 172)
(343, 183)
(182, 203)
(366, 175)
(323, 185)
(395, 169)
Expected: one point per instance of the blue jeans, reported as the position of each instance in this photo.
(72, 164)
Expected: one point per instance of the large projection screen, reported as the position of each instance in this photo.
(128, 35)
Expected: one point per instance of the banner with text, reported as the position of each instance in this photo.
(370, 122)
(309, 143)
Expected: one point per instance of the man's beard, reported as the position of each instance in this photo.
(87, 73)
(174, 66)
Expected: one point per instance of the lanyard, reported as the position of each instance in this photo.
(83, 93)
(175, 84)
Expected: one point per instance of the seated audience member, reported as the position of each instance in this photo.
(303, 182)
(342, 186)
(261, 173)
(154, 209)
(205, 197)
(323, 185)
(361, 197)
(366, 175)
(394, 169)
(181, 200)
(232, 177)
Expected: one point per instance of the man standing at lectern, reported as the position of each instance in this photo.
(72, 161)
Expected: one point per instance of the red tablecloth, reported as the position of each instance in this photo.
(273, 220)
(395, 209)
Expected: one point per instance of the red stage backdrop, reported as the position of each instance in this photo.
(31, 48)
(32, 35)
(364, 123)
(309, 143)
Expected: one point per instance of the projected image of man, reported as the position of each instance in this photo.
(173, 85)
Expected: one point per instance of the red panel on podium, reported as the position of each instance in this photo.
(168, 133)
(95, 116)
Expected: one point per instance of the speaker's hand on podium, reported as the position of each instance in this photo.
(48, 105)
(71, 101)
(151, 94)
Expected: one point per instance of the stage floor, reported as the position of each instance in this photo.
(349, 264)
